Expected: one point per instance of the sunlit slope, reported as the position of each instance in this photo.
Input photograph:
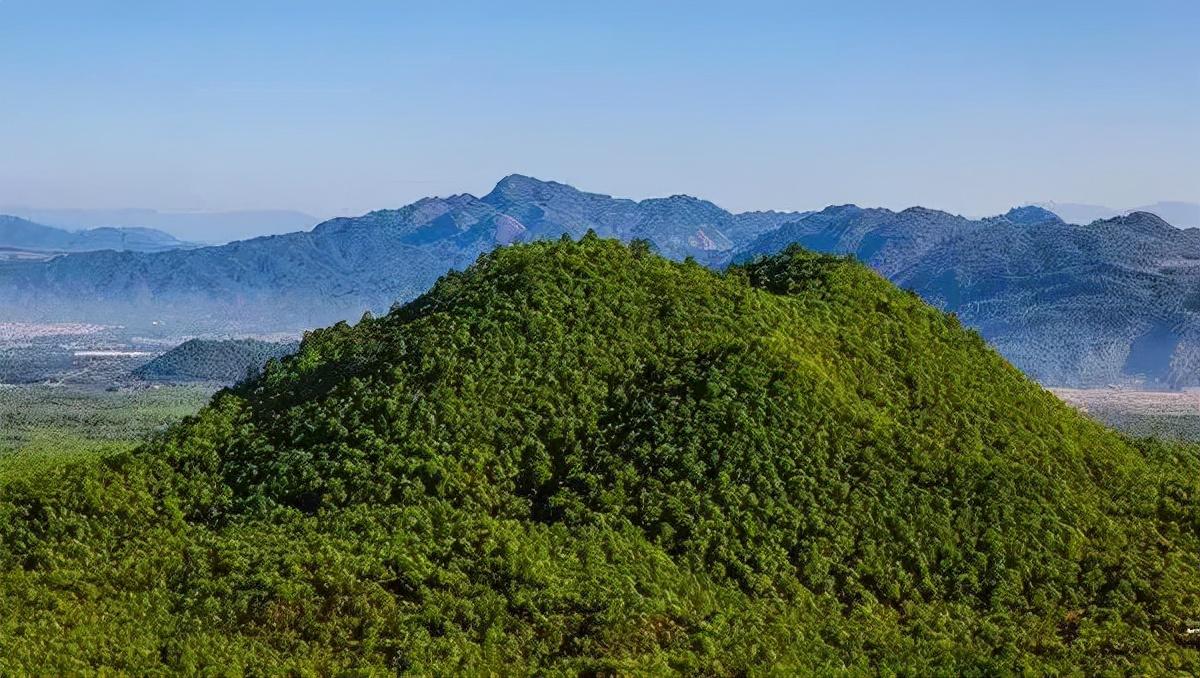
(1111, 302)
(582, 456)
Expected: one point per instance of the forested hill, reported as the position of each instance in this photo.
(1113, 302)
(585, 458)
(226, 361)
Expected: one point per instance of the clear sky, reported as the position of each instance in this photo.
(342, 107)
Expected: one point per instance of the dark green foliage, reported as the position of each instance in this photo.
(581, 457)
(227, 361)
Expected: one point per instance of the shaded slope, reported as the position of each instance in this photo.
(223, 360)
(583, 457)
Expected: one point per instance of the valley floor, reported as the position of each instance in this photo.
(43, 424)
(1164, 414)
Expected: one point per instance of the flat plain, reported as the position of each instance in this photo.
(41, 425)
(1166, 414)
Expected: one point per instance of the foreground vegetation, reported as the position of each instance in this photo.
(580, 457)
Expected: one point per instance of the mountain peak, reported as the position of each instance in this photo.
(1147, 221)
(1028, 215)
(839, 210)
(516, 179)
(919, 211)
(520, 186)
(678, 200)
(684, 197)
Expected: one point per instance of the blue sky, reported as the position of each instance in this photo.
(337, 108)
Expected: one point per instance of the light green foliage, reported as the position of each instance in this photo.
(580, 457)
(42, 426)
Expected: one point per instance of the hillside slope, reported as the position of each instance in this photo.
(582, 457)
(1111, 302)
(222, 360)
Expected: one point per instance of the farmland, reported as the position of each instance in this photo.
(44, 424)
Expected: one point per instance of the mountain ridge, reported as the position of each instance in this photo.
(23, 234)
(1009, 275)
(1178, 213)
(192, 225)
(1073, 305)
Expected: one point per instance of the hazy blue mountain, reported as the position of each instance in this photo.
(21, 234)
(748, 225)
(199, 226)
(1111, 302)
(1028, 215)
(346, 266)
(1079, 213)
(1178, 214)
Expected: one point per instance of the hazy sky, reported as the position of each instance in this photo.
(341, 107)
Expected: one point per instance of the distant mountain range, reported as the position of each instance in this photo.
(21, 234)
(1180, 214)
(1115, 301)
(199, 226)
(346, 266)
(1111, 302)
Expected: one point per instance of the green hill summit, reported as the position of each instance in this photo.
(581, 457)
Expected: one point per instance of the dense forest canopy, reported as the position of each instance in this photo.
(580, 456)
